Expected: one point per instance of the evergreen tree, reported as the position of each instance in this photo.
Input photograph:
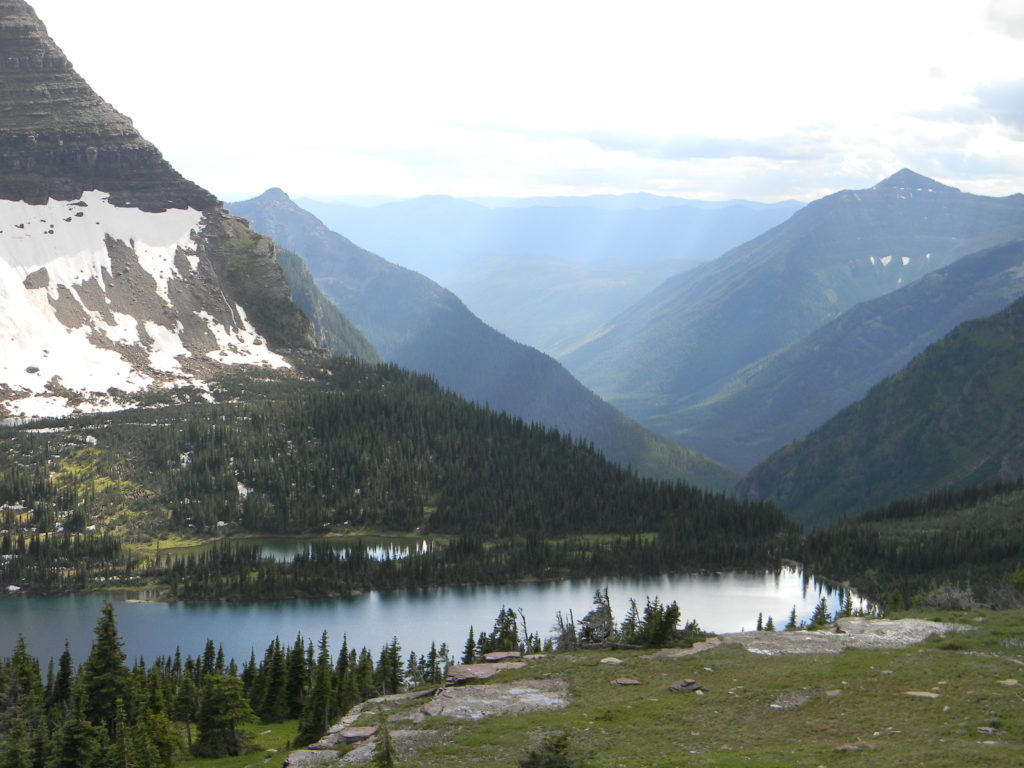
(222, 709)
(17, 752)
(186, 705)
(791, 624)
(297, 678)
(60, 691)
(631, 624)
(598, 625)
(318, 707)
(384, 755)
(77, 743)
(273, 705)
(469, 651)
(820, 617)
(105, 677)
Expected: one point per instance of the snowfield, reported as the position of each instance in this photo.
(60, 331)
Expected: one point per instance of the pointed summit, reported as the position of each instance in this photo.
(274, 195)
(908, 179)
(59, 139)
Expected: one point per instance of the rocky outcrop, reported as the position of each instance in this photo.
(59, 139)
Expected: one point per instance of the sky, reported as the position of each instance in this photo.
(791, 99)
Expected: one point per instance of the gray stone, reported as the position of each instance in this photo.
(464, 673)
(686, 686)
(495, 656)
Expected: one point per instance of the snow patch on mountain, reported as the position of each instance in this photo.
(93, 301)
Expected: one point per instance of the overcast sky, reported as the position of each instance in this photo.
(712, 99)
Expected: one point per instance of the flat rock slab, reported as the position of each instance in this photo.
(479, 701)
(921, 694)
(610, 660)
(494, 656)
(309, 758)
(357, 733)
(626, 681)
(464, 673)
(856, 632)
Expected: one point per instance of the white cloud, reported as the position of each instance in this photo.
(513, 98)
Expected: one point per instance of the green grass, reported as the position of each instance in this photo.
(735, 724)
(267, 737)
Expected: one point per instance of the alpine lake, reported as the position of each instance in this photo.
(719, 602)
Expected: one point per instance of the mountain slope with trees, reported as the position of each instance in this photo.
(786, 395)
(953, 417)
(333, 331)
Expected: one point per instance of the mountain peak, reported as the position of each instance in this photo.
(275, 194)
(59, 139)
(908, 179)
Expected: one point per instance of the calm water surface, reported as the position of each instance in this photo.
(720, 603)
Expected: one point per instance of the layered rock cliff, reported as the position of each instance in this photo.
(117, 274)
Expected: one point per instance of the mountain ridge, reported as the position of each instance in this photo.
(59, 139)
(685, 340)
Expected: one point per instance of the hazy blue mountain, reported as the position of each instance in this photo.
(554, 305)
(440, 236)
(685, 341)
(525, 269)
(419, 325)
(786, 395)
(644, 200)
(953, 417)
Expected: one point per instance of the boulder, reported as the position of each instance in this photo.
(495, 656)
(353, 733)
(686, 686)
(464, 673)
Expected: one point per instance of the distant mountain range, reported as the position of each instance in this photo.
(786, 395)
(954, 416)
(548, 271)
(690, 340)
(414, 322)
(631, 200)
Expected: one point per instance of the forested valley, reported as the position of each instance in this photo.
(354, 447)
(357, 448)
